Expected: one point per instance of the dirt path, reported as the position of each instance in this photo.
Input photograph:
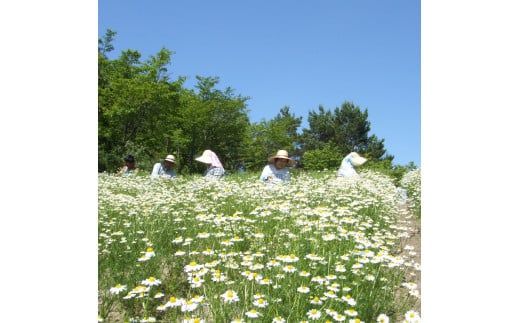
(411, 252)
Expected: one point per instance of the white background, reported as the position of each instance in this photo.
(48, 134)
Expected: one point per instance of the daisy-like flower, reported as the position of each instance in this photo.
(304, 273)
(197, 298)
(265, 281)
(237, 320)
(149, 252)
(316, 300)
(192, 266)
(179, 253)
(253, 314)
(351, 312)
(383, 318)
(349, 300)
(117, 289)
(189, 306)
(174, 302)
(356, 320)
(314, 314)
(278, 319)
(341, 268)
(262, 303)
(303, 289)
(193, 320)
(330, 294)
(151, 281)
(230, 296)
(412, 316)
(339, 317)
(195, 281)
(158, 295)
(289, 269)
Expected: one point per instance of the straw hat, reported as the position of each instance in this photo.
(170, 158)
(205, 157)
(282, 154)
(356, 159)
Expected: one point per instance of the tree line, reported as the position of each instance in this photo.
(142, 111)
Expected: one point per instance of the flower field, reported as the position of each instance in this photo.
(237, 250)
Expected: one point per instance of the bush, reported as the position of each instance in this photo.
(328, 157)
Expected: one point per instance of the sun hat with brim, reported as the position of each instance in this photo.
(356, 159)
(282, 154)
(170, 158)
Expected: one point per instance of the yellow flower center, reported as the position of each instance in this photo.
(149, 249)
(173, 299)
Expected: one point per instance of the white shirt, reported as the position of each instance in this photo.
(271, 174)
(160, 171)
(346, 169)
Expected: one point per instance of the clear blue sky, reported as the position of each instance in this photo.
(296, 53)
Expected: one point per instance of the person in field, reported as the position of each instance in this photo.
(130, 167)
(277, 170)
(215, 169)
(348, 163)
(165, 169)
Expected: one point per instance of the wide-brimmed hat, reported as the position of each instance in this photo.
(356, 159)
(282, 154)
(209, 157)
(170, 158)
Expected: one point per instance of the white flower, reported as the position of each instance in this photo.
(189, 306)
(314, 314)
(174, 302)
(303, 289)
(230, 296)
(260, 303)
(117, 289)
(278, 319)
(351, 312)
(151, 281)
(383, 318)
(412, 316)
(253, 313)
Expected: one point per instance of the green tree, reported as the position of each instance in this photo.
(347, 128)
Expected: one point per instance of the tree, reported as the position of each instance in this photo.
(268, 136)
(346, 127)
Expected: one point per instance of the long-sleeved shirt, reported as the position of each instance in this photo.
(214, 172)
(160, 171)
(347, 169)
(271, 174)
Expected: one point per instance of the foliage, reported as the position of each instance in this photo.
(347, 128)
(327, 157)
(142, 112)
(267, 137)
(171, 250)
(411, 181)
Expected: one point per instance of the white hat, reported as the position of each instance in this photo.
(205, 157)
(170, 158)
(282, 154)
(356, 159)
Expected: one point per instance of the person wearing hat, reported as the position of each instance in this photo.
(347, 165)
(277, 171)
(215, 169)
(129, 168)
(164, 169)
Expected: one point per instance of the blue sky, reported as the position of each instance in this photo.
(295, 53)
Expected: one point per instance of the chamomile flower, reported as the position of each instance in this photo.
(253, 314)
(230, 296)
(262, 303)
(278, 319)
(151, 281)
(382, 318)
(412, 316)
(314, 314)
(189, 306)
(351, 312)
(117, 289)
(303, 289)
